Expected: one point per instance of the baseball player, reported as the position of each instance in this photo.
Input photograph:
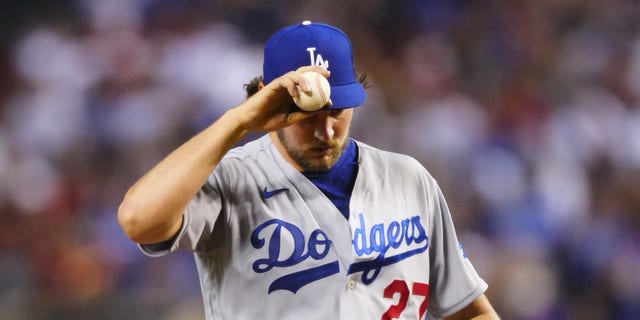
(305, 222)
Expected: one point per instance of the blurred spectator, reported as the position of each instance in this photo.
(527, 113)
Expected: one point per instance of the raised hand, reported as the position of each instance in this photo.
(272, 107)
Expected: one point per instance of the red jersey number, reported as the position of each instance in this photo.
(400, 287)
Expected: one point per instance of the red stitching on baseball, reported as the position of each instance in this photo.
(319, 87)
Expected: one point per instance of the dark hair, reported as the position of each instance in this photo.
(252, 87)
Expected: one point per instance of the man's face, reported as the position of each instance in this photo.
(316, 143)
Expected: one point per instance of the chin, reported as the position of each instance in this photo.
(320, 164)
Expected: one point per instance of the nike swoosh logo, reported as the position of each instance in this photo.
(270, 193)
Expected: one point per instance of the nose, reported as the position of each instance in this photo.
(323, 128)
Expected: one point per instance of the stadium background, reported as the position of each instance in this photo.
(527, 112)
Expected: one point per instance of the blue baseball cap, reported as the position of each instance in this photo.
(316, 44)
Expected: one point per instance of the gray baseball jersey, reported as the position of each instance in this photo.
(270, 245)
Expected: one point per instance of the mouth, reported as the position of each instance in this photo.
(322, 151)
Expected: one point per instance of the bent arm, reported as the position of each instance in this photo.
(479, 309)
(152, 209)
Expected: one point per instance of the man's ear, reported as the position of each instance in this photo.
(260, 85)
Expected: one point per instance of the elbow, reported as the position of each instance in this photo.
(145, 225)
(131, 222)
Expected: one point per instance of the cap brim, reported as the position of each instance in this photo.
(347, 96)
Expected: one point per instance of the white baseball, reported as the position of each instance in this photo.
(319, 94)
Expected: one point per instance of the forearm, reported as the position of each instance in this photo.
(152, 208)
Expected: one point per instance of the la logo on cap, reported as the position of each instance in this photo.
(320, 45)
(317, 60)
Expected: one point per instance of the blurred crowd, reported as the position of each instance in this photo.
(526, 112)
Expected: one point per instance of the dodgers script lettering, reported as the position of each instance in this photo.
(317, 246)
(407, 237)
(287, 246)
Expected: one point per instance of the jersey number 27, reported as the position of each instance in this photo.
(400, 287)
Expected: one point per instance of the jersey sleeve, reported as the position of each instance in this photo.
(454, 283)
(198, 222)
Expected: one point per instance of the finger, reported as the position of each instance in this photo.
(289, 83)
(326, 73)
(292, 88)
(295, 80)
(304, 86)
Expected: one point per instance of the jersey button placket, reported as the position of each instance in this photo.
(351, 284)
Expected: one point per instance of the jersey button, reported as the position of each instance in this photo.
(352, 284)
